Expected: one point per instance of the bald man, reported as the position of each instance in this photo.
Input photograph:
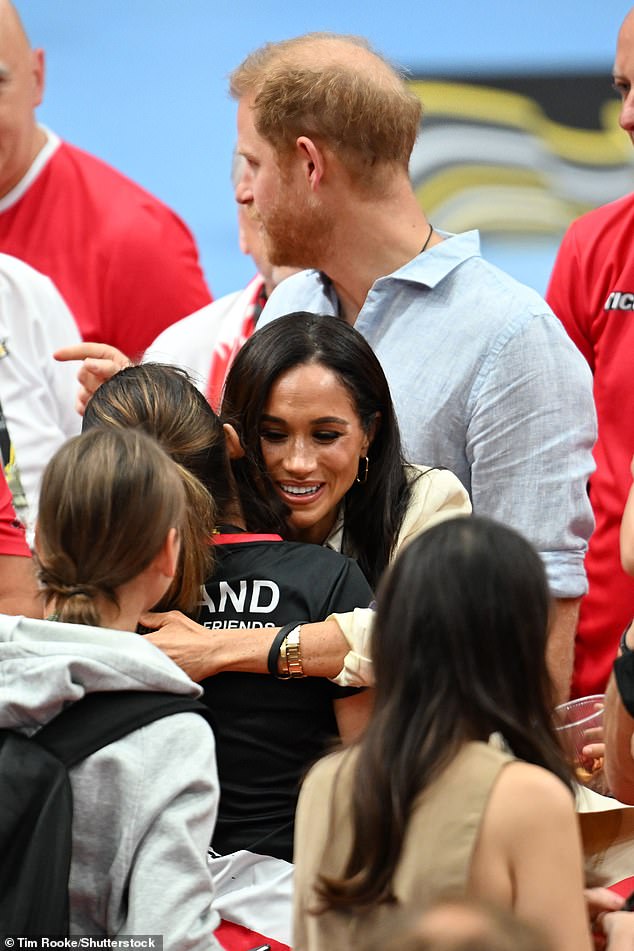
(592, 292)
(483, 377)
(126, 265)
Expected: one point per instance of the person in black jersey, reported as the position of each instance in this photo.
(262, 581)
(268, 730)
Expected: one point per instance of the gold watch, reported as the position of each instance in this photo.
(292, 653)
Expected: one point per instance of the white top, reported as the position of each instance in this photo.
(37, 393)
(191, 342)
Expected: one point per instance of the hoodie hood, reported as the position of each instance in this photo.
(45, 665)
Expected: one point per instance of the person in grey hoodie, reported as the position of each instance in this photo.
(145, 806)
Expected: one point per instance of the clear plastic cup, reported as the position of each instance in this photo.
(580, 722)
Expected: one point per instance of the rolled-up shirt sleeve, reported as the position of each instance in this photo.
(356, 626)
(530, 438)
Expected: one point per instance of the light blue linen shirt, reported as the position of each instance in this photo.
(486, 382)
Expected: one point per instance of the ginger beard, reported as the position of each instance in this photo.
(296, 227)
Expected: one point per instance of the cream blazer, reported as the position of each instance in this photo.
(437, 495)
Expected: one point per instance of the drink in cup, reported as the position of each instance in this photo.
(579, 723)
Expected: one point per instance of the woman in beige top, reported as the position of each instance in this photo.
(316, 453)
(426, 803)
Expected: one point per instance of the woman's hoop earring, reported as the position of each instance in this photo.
(364, 468)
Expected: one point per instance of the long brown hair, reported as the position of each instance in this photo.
(107, 502)
(459, 653)
(163, 402)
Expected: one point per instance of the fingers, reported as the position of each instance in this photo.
(90, 378)
(602, 899)
(155, 619)
(92, 373)
(593, 751)
(159, 619)
(100, 362)
(618, 926)
(84, 351)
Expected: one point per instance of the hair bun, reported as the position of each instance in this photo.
(61, 589)
(86, 591)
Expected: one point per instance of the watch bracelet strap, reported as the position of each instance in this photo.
(293, 653)
(276, 651)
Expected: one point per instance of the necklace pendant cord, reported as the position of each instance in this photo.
(429, 234)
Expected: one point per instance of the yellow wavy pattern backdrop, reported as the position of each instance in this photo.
(492, 159)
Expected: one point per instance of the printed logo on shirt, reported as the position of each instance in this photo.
(254, 597)
(237, 625)
(4, 350)
(619, 300)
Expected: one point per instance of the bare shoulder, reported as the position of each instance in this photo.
(528, 792)
(527, 780)
(527, 804)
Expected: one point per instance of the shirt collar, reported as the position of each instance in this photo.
(335, 538)
(46, 152)
(431, 266)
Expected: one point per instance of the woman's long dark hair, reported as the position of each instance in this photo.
(459, 653)
(374, 510)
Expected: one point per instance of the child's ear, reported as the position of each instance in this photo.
(167, 558)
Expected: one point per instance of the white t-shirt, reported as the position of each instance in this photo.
(37, 393)
(206, 342)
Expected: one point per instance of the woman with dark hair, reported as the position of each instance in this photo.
(317, 457)
(312, 408)
(431, 799)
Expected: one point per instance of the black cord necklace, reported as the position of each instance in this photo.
(429, 234)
